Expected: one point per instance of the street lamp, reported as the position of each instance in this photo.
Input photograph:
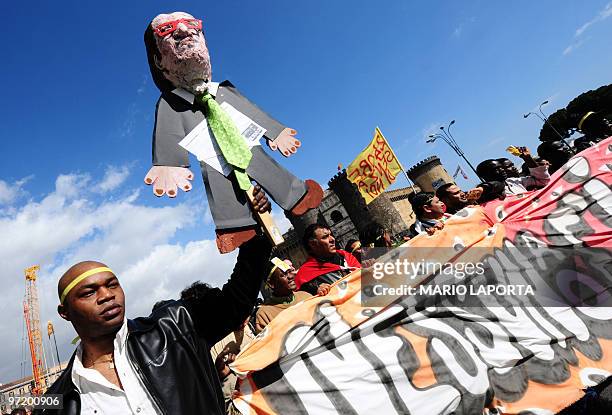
(544, 119)
(449, 139)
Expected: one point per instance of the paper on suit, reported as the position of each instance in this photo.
(200, 143)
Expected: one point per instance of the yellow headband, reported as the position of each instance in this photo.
(80, 278)
(584, 118)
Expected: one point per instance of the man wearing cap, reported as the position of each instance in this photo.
(279, 292)
(158, 364)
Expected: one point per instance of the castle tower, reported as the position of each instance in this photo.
(300, 223)
(380, 210)
(429, 174)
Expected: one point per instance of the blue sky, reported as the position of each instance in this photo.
(79, 106)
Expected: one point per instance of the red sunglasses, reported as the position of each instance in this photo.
(168, 27)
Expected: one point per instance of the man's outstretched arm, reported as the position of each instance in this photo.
(217, 312)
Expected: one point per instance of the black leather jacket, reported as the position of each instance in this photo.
(170, 349)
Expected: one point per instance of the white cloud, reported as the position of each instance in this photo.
(602, 15)
(70, 185)
(167, 269)
(71, 224)
(578, 41)
(11, 192)
(113, 178)
(575, 45)
(281, 220)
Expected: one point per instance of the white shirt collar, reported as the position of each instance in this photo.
(213, 87)
(121, 337)
(78, 370)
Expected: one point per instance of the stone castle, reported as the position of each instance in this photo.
(344, 210)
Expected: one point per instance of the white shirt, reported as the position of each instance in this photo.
(101, 397)
(200, 143)
(538, 176)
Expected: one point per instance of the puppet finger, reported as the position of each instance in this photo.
(272, 145)
(171, 188)
(186, 173)
(159, 187)
(182, 182)
(150, 177)
(297, 143)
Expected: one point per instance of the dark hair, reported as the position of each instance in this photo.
(373, 234)
(556, 152)
(419, 201)
(491, 190)
(309, 234)
(483, 170)
(195, 291)
(442, 191)
(151, 47)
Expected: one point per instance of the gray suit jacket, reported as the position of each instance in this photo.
(175, 118)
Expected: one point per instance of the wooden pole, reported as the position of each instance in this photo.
(267, 223)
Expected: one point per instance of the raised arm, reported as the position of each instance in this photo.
(220, 311)
(217, 312)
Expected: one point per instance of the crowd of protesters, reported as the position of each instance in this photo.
(178, 359)
(285, 286)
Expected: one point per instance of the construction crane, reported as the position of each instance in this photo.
(51, 331)
(32, 320)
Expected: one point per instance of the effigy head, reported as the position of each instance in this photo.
(177, 52)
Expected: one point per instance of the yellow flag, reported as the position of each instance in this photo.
(375, 168)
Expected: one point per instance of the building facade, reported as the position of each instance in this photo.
(345, 212)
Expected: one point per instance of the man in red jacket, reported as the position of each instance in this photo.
(326, 264)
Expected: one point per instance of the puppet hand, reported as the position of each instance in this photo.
(166, 179)
(285, 143)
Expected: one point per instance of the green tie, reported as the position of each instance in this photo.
(229, 139)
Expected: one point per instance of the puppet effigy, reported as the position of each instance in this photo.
(222, 128)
